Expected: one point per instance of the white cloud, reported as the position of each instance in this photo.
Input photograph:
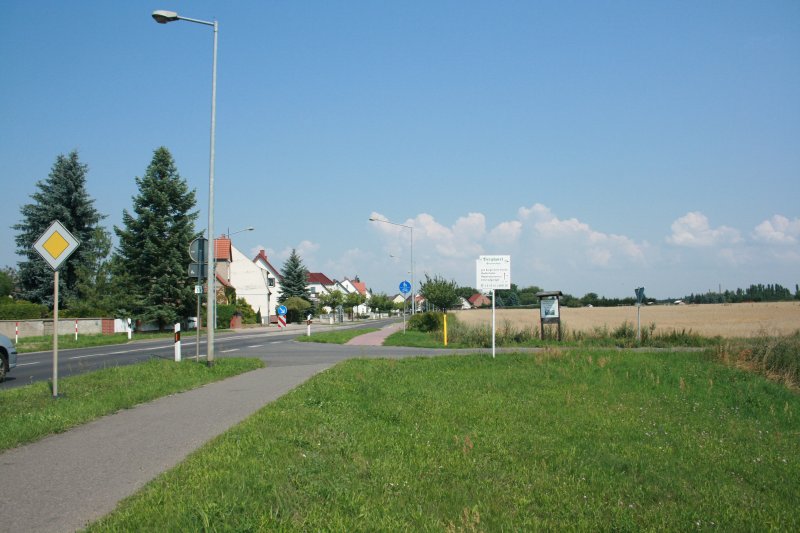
(778, 230)
(693, 230)
(506, 233)
(572, 254)
(305, 249)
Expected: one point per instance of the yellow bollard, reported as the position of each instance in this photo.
(445, 329)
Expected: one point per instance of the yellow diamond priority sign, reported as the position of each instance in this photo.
(56, 244)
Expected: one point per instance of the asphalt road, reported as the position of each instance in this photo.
(269, 344)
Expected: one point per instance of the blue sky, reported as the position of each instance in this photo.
(603, 145)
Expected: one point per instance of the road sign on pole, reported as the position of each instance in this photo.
(197, 250)
(493, 272)
(55, 245)
(405, 287)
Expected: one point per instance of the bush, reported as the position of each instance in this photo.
(23, 311)
(224, 314)
(428, 321)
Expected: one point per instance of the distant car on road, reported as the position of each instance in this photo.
(8, 356)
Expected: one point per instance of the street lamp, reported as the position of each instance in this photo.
(163, 17)
(250, 228)
(413, 296)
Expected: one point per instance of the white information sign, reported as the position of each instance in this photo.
(493, 272)
(549, 308)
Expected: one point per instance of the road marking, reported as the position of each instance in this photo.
(256, 346)
(85, 356)
(234, 350)
(29, 364)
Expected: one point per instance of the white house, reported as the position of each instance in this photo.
(273, 279)
(319, 284)
(356, 285)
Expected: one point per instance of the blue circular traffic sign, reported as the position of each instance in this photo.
(281, 309)
(405, 287)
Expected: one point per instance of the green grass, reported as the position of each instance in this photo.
(45, 342)
(30, 413)
(336, 337)
(418, 339)
(582, 440)
(461, 335)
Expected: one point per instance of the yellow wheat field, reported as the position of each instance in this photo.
(726, 320)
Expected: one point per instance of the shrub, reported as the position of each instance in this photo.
(23, 311)
(224, 314)
(428, 321)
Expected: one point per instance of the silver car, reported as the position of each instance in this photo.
(8, 356)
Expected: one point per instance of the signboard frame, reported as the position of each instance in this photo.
(493, 272)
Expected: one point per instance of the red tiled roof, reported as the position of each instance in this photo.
(479, 299)
(319, 277)
(222, 249)
(360, 286)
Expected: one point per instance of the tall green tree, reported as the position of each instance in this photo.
(295, 279)
(439, 292)
(381, 303)
(152, 258)
(63, 197)
(352, 301)
(8, 282)
(332, 299)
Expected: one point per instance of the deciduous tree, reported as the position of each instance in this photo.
(440, 293)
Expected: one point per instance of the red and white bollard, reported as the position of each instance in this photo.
(16, 334)
(76, 330)
(177, 343)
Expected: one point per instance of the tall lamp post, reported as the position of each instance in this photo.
(413, 295)
(163, 17)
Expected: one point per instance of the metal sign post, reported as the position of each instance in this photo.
(493, 272)
(405, 288)
(198, 269)
(55, 245)
(639, 298)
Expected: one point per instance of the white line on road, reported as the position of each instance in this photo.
(234, 350)
(256, 346)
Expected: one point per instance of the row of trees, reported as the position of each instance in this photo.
(144, 277)
(754, 293)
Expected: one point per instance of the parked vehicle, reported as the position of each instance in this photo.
(8, 356)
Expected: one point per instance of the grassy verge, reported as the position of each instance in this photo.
(428, 333)
(45, 342)
(580, 440)
(30, 413)
(336, 337)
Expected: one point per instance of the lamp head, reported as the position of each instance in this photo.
(162, 17)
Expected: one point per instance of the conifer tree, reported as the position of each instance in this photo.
(152, 258)
(63, 197)
(295, 279)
